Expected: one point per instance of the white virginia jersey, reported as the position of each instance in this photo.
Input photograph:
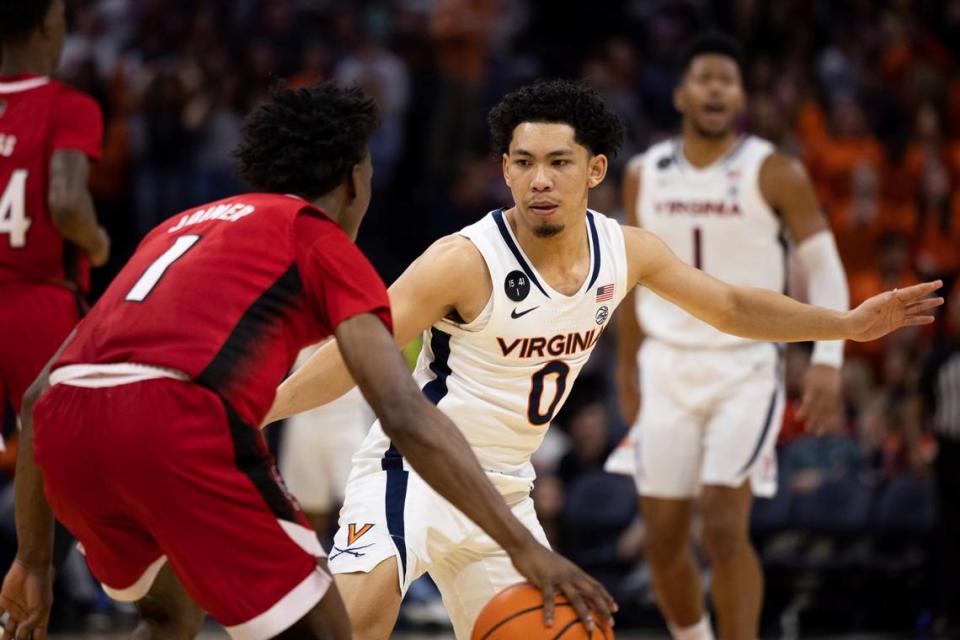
(502, 377)
(714, 218)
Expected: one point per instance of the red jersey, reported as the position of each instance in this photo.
(229, 293)
(38, 116)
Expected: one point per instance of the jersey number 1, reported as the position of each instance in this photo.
(155, 271)
(561, 369)
(13, 209)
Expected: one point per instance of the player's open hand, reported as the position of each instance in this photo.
(822, 398)
(891, 310)
(554, 574)
(26, 597)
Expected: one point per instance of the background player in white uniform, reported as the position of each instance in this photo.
(315, 462)
(511, 307)
(710, 403)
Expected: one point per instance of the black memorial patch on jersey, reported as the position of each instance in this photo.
(517, 285)
(664, 162)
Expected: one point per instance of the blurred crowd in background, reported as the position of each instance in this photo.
(865, 92)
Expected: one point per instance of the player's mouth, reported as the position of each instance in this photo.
(715, 111)
(544, 208)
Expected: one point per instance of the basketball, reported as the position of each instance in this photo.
(517, 612)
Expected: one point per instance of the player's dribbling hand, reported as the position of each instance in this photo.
(822, 398)
(553, 574)
(26, 597)
(891, 310)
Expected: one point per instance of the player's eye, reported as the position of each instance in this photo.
(522, 162)
(561, 163)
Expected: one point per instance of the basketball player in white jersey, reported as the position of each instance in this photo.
(711, 403)
(510, 308)
(315, 462)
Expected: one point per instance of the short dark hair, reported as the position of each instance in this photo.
(715, 42)
(558, 101)
(306, 141)
(19, 18)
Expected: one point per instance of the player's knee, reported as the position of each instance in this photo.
(665, 545)
(724, 536)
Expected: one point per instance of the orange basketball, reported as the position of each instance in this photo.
(517, 612)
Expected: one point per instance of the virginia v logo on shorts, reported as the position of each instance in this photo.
(353, 534)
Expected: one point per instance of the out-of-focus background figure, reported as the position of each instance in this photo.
(861, 536)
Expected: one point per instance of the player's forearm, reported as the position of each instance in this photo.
(75, 218)
(761, 314)
(322, 379)
(441, 455)
(33, 515)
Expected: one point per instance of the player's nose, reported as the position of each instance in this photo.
(541, 179)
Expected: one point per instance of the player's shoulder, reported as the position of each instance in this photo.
(660, 155)
(71, 98)
(456, 251)
(781, 167)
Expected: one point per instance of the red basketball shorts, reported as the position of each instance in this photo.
(34, 320)
(164, 471)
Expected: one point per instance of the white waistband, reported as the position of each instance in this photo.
(111, 375)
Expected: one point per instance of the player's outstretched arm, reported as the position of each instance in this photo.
(442, 456)
(627, 324)
(761, 314)
(27, 592)
(71, 206)
(426, 292)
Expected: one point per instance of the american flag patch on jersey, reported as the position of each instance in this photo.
(604, 293)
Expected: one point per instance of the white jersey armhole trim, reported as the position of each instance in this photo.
(483, 318)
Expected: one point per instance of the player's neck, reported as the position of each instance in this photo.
(565, 249)
(701, 151)
(18, 60)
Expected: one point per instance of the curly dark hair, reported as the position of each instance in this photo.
(558, 101)
(306, 141)
(19, 18)
(715, 42)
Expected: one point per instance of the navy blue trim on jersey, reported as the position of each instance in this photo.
(763, 434)
(395, 501)
(515, 250)
(436, 389)
(392, 461)
(596, 252)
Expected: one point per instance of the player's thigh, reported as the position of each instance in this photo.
(741, 434)
(74, 431)
(469, 576)
(668, 447)
(372, 599)
(215, 503)
(327, 620)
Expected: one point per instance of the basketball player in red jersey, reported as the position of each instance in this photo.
(48, 227)
(146, 442)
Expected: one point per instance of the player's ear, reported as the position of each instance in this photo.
(353, 183)
(597, 170)
(505, 163)
(679, 100)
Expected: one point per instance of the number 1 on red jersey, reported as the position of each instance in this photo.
(155, 271)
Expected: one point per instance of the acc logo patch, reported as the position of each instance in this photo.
(602, 314)
(516, 285)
